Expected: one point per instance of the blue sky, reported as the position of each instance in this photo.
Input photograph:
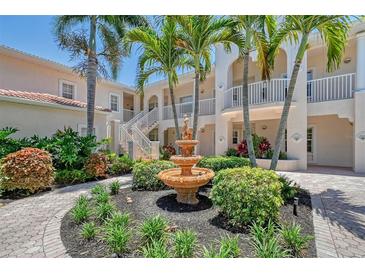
(33, 34)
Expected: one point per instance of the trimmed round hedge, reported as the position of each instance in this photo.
(27, 169)
(247, 195)
(145, 174)
(217, 163)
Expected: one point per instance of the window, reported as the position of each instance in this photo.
(67, 89)
(186, 99)
(309, 84)
(310, 140)
(114, 102)
(186, 104)
(286, 140)
(235, 137)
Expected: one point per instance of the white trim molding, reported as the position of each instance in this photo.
(110, 102)
(60, 91)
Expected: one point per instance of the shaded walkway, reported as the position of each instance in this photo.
(338, 199)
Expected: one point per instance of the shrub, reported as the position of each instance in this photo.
(247, 195)
(217, 163)
(185, 243)
(231, 152)
(145, 174)
(118, 219)
(288, 188)
(97, 189)
(117, 238)
(88, 231)
(104, 211)
(114, 187)
(81, 211)
(265, 242)
(72, 176)
(153, 228)
(293, 239)
(7, 144)
(28, 169)
(121, 165)
(282, 155)
(261, 146)
(167, 151)
(228, 248)
(156, 249)
(102, 198)
(96, 165)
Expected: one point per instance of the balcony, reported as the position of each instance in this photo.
(274, 91)
(206, 107)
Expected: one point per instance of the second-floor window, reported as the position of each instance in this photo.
(114, 102)
(67, 89)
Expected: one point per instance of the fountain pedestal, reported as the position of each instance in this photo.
(187, 179)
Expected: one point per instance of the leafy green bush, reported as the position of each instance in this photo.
(88, 231)
(121, 165)
(9, 145)
(265, 242)
(231, 152)
(81, 211)
(145, 174)
(228, 248)
(288, 188)
(156, 249)
(246, 195)
(70, 177)
(114, 187)
(217, 163)
(293, 239)
(153, 228)
(185, 243)
(117, 238)
(282, 155)
(28, 169)
(104, 211)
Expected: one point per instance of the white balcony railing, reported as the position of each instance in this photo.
(331, 88)
(206, 107)
(262, 92)
(127, 115)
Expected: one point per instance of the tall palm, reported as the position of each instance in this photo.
(334, 31)
(252, 32)
(160, 56)
(197, 35)
(83, 35)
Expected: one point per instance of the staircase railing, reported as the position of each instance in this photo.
(126, 129)
(147, 120)
(141, 140)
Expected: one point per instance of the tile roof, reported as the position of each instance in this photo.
(46, 98)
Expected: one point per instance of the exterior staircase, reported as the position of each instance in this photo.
(136, 130)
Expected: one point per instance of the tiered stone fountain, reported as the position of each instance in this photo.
(187, 179)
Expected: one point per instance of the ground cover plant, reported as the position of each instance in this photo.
(217, 163)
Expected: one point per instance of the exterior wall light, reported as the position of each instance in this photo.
(264, 127)
(347, 60)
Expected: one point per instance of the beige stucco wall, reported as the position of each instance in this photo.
(25, 75)
(206, 137)
(206, 90)
(317, 61)
(44, 121)
(333, 140)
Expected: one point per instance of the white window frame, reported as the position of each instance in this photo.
(60, 85)
(110, 102)
(187, 96)
(83, 126)
(238, 136)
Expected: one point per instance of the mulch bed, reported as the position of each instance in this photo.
(204, 219)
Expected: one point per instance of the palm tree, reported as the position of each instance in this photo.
(71, 34)
(160, 57)
(252, 32)
(334, 31)
(197, 35)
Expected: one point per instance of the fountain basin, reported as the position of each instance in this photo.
(186, 186)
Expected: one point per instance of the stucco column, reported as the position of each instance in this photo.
(223, 79)
(115, 135)
(136, 103)
(359, 106)
(297, 120)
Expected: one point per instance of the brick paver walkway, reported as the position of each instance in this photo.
(30, 227)
(338, 200)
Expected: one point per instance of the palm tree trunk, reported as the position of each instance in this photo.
(177, 130)
(288, 100)
(196, 103)
(91, 76)
(246, 112)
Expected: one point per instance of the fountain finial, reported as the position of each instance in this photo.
(187, 133)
